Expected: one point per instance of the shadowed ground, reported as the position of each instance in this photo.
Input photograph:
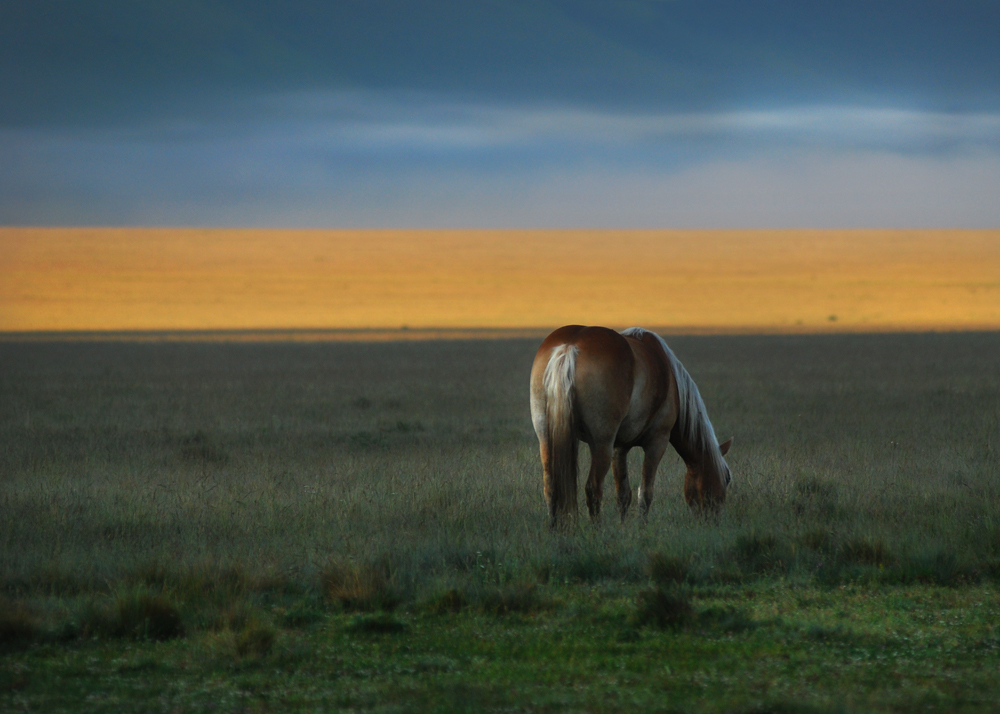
(263, 506)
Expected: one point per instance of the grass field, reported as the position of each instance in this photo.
(323, 526)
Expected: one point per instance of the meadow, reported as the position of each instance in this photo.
(195, 526)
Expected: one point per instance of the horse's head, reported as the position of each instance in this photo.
(705, 482)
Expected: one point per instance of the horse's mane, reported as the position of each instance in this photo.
(692, 417)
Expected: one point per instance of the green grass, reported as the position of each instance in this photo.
(286, 526)
(762, 648)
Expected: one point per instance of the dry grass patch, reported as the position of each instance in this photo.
(357, 587)
(18, 624)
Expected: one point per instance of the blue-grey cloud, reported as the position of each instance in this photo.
(372, 159)
(529, 112)
(65, 60)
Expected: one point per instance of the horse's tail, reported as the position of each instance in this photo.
(563, 441)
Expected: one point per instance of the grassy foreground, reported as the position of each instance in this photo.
(763, 648)
(360, 526)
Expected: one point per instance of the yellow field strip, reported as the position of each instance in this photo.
(331, 335)
(102, 279)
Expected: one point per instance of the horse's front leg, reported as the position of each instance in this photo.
(600, 461)
(650, 462)
(619, 467)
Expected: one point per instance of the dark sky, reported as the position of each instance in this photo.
(619, 113)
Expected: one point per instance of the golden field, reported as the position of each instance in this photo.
(124, 279)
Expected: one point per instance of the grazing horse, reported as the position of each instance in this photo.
(615, 391)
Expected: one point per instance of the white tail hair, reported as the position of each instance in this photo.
(563, 443)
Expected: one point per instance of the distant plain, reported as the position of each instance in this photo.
(124, 279)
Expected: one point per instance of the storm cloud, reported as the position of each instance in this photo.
(641, 114)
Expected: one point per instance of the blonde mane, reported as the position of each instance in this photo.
(692, 417)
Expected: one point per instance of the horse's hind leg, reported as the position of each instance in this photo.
(600, 460)
(548, 488)
(619, 467)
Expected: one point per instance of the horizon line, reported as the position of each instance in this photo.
(417, 334)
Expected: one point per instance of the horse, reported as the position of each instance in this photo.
(615, 391)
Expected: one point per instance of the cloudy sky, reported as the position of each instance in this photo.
(516, 113)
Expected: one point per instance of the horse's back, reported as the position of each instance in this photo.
(603, 354)
(605, 364)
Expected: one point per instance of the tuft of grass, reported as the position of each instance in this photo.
(818, 540)
(726, 619)
(241, 631)
(234, 616)
(254, 640)
(666, 609)
(761, 554)
(209, 581)
(18, 625)
(783, 707)
(451, 600)
(133, 613)
(359, 588)
(865, 551)
(934, 568)
(518, 597)
(141, 614)
(589, 566)
(822, 633)
(301, 614)
(379, 623)
(667, 571)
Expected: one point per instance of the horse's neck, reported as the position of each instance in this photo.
(692, 436)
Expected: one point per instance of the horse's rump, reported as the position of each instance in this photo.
(581, 385)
